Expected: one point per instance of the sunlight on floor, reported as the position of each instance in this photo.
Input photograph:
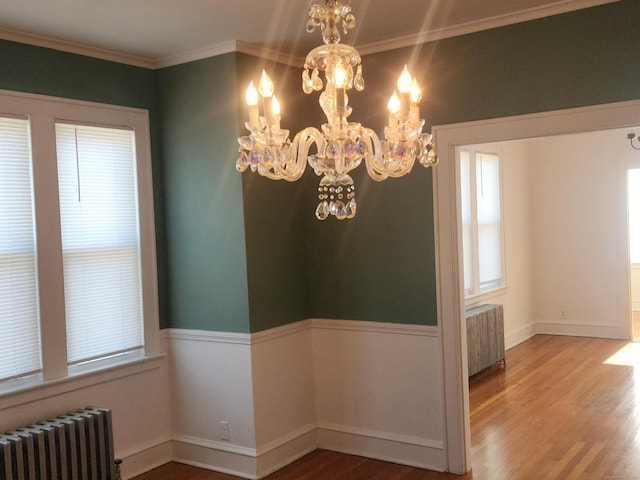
(628, 356)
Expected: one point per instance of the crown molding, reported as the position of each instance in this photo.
(197, 54)
(229, 47)
(497, 21)
(564, 6)
(270, 54)
(76, 48)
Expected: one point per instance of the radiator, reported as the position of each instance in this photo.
(74, 446)
(485, 337)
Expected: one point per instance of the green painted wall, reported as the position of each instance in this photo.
(30, 69)
(207, 268)
(275, 227)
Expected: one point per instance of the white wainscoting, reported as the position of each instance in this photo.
(378, 390)
(365, 388)
(210, 378)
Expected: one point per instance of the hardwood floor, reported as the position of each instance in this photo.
(562, 408)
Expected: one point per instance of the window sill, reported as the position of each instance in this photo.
(20, 392)
(483, 297)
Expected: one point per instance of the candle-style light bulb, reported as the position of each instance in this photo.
(394, 109)
(252, 95)
(416, 93)
(394, 104)
(266, 85)
(340, 77)
(404, 82)
(252, 102)
(266, 90)
(275, 105)
(340, 81)
(404, 87)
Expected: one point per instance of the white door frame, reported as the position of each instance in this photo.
(448, 242)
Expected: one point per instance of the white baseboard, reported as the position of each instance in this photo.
(577, 330)
(279, 454)
(242, 461)
(153, 456)
(405, 450)
(216, 456)
(517, 337)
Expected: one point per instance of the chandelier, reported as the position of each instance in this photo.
(340, 145)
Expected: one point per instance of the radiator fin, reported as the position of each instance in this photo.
(74, 446)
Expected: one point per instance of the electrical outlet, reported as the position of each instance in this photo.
(224, 430)
(563, 314)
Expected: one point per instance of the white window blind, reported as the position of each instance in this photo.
(100, 241)
(489, 227)
(19, 324)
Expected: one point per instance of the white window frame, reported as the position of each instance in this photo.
(43, 113)
(477, 294)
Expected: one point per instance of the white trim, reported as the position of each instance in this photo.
(152, 455)
(450, 294)
(512, 339)
(53, 388)
(285, 450)
(290, 437)
(197, 54)
(229, 47)
(377, 327)
(297, 327)
(281, 331)
(76, 48)
(402, 449)
(207, 454)
(215, 445)
(207, 336)
(551, 327)
(392, 437)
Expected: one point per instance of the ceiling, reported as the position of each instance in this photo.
(154, 33)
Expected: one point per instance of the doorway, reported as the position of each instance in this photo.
(449, 279)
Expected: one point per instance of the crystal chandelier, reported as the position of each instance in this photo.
(340, 145)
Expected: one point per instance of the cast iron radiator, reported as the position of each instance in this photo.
(74, 446)
(485, 337)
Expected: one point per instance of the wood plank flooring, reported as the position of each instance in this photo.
(562, 408)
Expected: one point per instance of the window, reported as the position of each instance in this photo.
(77, 243)
(482, 230)
(100, 246)
(19, 331)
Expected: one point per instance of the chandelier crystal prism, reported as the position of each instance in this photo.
(340, 145)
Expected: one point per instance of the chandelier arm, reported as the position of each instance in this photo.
(374, 155)
(303, 141)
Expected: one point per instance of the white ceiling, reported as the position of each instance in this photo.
(162, 32)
